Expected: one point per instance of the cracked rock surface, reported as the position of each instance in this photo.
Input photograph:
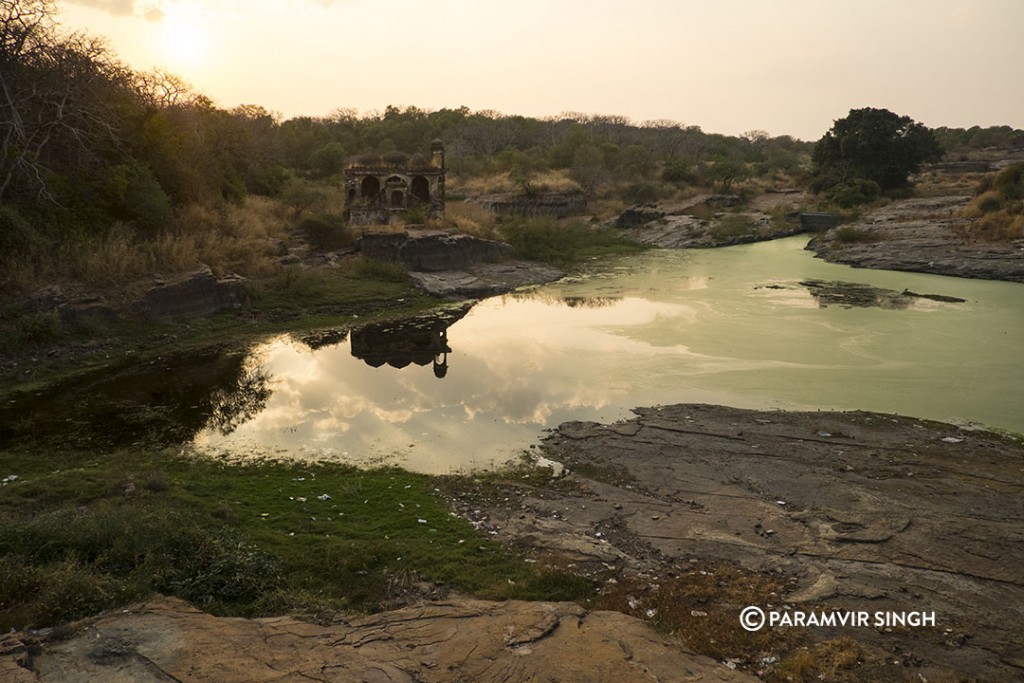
(864, 511)
(922, 235)
(464, 640)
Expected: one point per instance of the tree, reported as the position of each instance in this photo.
(873, 144)
(59, 98)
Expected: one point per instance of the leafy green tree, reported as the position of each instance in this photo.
(873, 144)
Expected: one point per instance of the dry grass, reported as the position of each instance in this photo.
(702, 607)
(824, 662)
(229, 238)
(471, 219)
(235, 238)
(498, 183)
(1001, 226)
(940, 184)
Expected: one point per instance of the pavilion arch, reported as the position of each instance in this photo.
(420, 189)
(370, 187)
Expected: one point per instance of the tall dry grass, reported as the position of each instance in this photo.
(237, 238)
(500, 183)
(471, 219)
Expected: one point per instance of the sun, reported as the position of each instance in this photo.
(184, 40)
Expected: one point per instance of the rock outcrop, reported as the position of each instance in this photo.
(922, 235)
(197, 293)
(431, 250)
(682, 225)
(485, 279)
(557, 204)
(863, 511)
(462, 640)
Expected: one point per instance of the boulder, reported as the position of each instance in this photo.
(197, 293)
(432, 250)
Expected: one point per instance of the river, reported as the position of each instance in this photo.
(732, 326)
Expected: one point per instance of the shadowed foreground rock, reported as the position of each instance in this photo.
(166, 640)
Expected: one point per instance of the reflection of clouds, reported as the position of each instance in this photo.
(513, 371)
(518, 364)
(661, 335)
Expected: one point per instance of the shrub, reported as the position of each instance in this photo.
(416, 215)
(640, 193)
(854, 193)
(325, 232)
(677, 172)
(561, 242)
(16, 234)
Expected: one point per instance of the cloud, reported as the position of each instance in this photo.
(125, 8)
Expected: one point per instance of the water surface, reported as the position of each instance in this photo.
(731, 326)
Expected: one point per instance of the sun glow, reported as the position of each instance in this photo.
(184, 40)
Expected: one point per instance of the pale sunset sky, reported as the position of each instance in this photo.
(789, 67)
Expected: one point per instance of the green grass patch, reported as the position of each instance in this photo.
(81, 533)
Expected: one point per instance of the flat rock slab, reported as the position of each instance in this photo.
(864, 511)
(465, 640)
(485, 279)
(923, 235)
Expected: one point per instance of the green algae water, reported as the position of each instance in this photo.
(759, 326)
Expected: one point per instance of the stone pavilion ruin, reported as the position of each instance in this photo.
(380, 187)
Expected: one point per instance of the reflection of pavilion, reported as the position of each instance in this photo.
(422, 340)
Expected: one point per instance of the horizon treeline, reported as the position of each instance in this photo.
(90, 144)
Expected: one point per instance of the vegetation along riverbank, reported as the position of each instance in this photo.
(140, 221)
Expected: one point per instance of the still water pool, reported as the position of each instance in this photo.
(733, 326)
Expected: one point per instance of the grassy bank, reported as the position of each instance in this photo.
(38, 348)
(81, 532)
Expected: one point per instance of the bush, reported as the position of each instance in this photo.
(854, 193)
(16, 234)
(677, 172)
(325, 232)
(561, 242)
(641, 193)
(69, 563)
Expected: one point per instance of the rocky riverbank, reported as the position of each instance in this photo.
(700, 222)
(924, 235)
(683, 516)
(845, 511)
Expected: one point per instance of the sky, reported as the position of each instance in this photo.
(788, 67)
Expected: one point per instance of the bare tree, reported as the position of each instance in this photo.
(54, 98)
